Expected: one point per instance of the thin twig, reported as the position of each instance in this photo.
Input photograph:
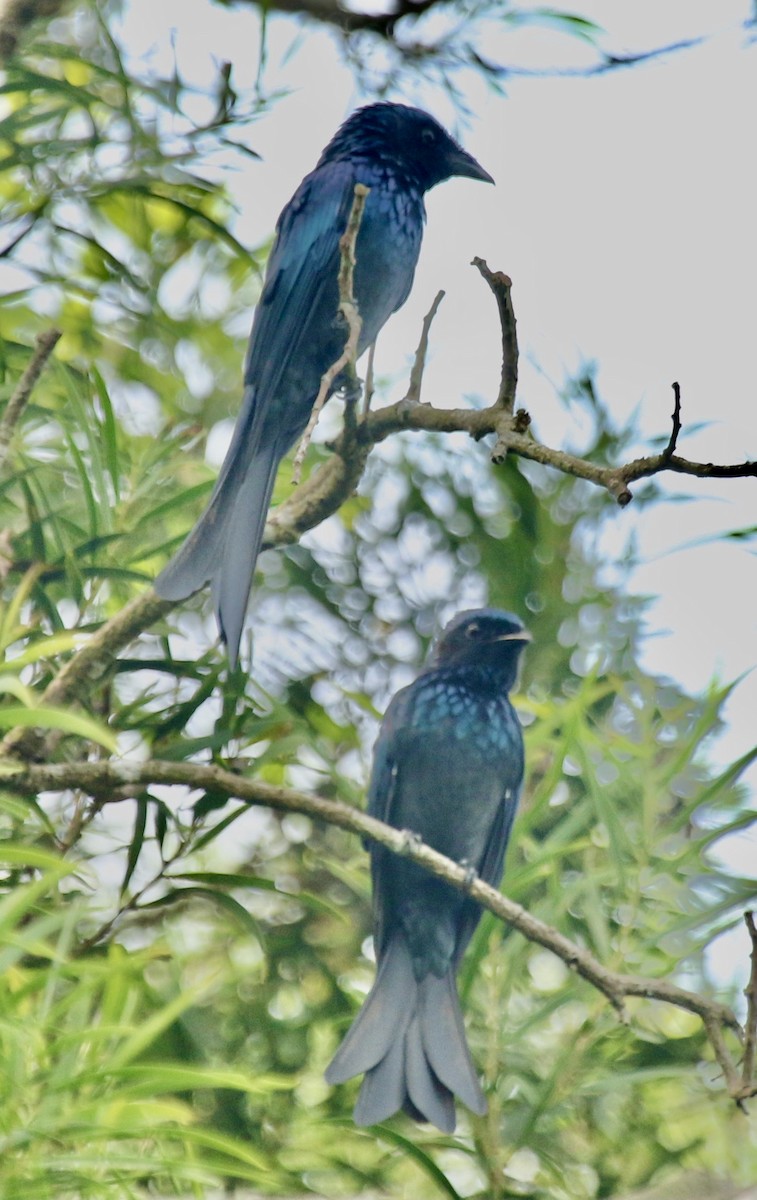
(669, 450)
(750, 1029)
(348, 309)
(132, 904)
(44, 345)
(384, 22)
(413, 395)
(501, 286)
(100, 778)
(480, 422)
(714, 1031)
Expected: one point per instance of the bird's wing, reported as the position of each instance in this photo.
(492, 861)
(387, 753)
(382, 790)
(490, 866)
(303, 262)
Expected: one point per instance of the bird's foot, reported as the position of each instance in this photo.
(407, 405)
(410, 841)
(349, 385)
(471, 874)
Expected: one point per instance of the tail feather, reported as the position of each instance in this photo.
(224, 545)
(381, 1022)
(242, 539)
(426, 1092)
(382, 1092)
(199, 557)
(442, 1028)
(409, 1039)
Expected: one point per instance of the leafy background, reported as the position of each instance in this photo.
(178, 969)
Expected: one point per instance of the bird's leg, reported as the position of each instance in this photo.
(350, 385)
(368, 387)
(351, 390)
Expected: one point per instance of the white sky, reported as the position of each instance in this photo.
(625, 213)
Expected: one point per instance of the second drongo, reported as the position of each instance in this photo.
(448, 766)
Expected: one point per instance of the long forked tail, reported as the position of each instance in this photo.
(409, 1039)
(223, 547)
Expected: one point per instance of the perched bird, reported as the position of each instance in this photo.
(448, 767)
(399, 153)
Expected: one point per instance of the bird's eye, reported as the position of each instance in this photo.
(472, 630)
(428, 136)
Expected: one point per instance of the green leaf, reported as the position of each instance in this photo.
(144, 1036)
(419, 1156)
(150, 1079)
(218, 898)
(41, 716)
(137, 840)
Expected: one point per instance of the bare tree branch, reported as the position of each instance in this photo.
(451, 51)
(509, 431)
(330, 12)
(110, 779)
(44, 345)
(723, 1056)
(413, 394)
(669, 450)
(750, 1034)
(501, 286)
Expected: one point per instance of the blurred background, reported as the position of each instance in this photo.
(172, 1001)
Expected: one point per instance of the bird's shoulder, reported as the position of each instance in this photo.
(312, 222)
(318, 210)
(328, 191)
(304, 256)
(447, 728)
(447, 707)
(449, 695)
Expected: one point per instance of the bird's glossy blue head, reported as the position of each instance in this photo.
(408, 140)
(487, 636)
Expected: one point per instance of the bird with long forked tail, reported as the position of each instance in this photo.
(448, 767)
(399, 153)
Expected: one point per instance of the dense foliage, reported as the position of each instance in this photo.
(177, 969)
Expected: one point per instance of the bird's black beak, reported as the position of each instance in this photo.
(462, 163)
(519, 635)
